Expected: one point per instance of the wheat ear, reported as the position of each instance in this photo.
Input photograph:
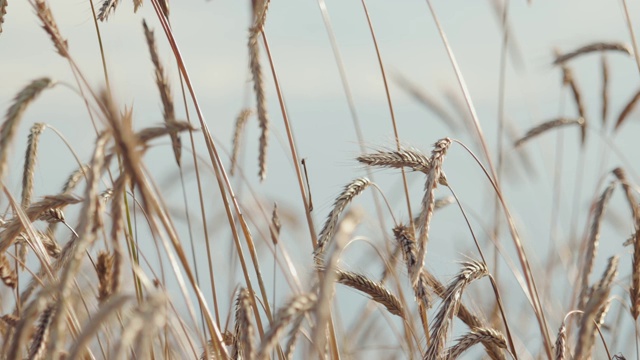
(50, 26)
(244, 332)
(561, 343)
(31, 157)
(546, 126)
(626, 111)
(593, 242)
(14, 115)
(261, 100)
(107, 7)
(428, 201)
(39, 340)
(241, 121)
(477, 335)
(569, 80)
(376, 291)
(350, 191)
(3, 12)
(7, 274)
(586, 335)
(165, 92)
(634, 291)
(594, 47)
(397, 159)
(298, 306)
(104, 269)
(471, 270)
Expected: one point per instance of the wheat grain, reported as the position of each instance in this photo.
(7, 274)
(594, 47)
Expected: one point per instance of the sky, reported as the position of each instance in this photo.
(212, 36)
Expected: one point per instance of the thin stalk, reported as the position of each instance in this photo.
(524, 262)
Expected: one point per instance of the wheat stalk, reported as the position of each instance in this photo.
(604, 65)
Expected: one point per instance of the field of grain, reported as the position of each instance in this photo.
(319, 180)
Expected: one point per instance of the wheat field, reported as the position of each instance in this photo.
(333, 180)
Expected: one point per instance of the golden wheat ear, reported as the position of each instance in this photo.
(14, 114)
